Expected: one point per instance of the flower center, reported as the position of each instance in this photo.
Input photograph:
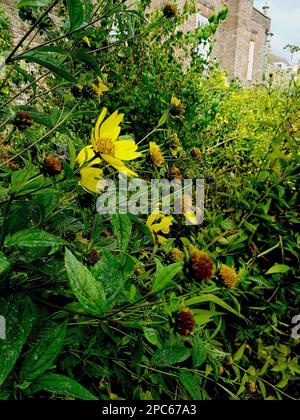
(104, 146)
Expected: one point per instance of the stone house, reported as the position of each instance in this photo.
(241, 41)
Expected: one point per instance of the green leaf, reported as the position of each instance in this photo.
(122, 229)
(108, 272)
(163, 280)
(239, 354)
(76, 15)
(191, 384)
(89, 292)
(152, 336)
(204, 316)
(42, 355)
(212, 298)
(72, 152)
(33, 238)
(50, 63)
(163, 119)
(18, 313)
(32, 3)
(4, 264)
(198, 352)
(62, 385)
(278, 268)
(170, 355)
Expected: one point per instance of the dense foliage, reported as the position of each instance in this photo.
(101, 306)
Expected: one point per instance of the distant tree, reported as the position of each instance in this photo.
(293, 49)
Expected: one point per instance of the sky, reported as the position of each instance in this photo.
(285, 15)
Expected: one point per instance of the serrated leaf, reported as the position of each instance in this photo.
(170, 355)
(108, 272)
(163, 280)
(89, 292)
(33, 238)
(198, 352)
(42, 354)
(18, 313)
(122, 229)
(75, 10)
(61, 385)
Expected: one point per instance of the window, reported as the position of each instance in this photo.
(251, 61)
(201, 20)
(203, 47)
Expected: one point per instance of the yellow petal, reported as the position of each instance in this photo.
(86, 154)
(192, 218)
(151, 219)
(161, 239)
(126, 150)
(89, 178)
(99, 121)
(119, 165)
(166, 223)
(87, 41)
(110, 128)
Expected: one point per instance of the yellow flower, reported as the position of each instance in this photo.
(86, 39)
(175, 101)
(157, 222)
(176, 107)
(156, 155)
(175, 147)
(177, 255)
(229, 276)
(99, 87)
(89, 178)
(106, 146)
(192, 214)
(176, 172)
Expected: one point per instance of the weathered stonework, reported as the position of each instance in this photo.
(244, 24)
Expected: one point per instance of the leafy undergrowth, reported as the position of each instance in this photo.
(123, 306)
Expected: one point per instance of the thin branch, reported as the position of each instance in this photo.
(31, 29)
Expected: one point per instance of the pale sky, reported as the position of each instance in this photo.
(285, 15)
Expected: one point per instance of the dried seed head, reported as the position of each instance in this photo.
(202, 265)
(70, 236)
(23, 120)
(197, 152)
(170, 9)
(176, 173)
(52, 165)
(93, 257)
(185, 322)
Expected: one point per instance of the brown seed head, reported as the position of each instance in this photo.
(52, 165)
(202, 265)
(185, 322)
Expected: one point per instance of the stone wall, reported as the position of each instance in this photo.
(243, 24)
(17, 26)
